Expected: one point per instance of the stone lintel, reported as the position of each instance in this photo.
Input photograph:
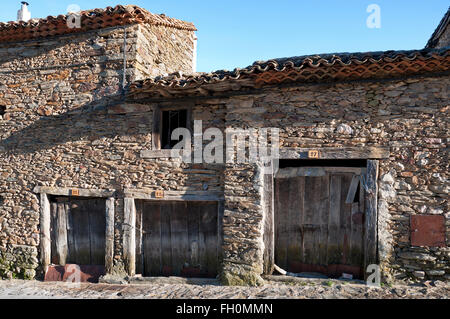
(159, 154)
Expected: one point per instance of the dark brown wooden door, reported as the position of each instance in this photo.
(177, 238)
(78, 231)
(319, 220)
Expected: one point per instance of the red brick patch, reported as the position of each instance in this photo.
(428, 230)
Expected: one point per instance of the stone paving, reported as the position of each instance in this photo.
(287, 288)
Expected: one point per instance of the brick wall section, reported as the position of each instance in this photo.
(58, 131)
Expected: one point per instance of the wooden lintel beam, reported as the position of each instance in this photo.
(336, 153)
(65, 191)
(175, 195)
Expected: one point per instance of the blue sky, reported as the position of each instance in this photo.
(235, 33)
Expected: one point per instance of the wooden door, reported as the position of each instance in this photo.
(177, 238)
(78, 229)
(319, 220)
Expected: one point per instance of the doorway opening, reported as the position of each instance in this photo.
(77, 236)
(319, 213)
(177, 238)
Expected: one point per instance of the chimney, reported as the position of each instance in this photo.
(23, 14)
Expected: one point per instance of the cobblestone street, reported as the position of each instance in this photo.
(297, 289)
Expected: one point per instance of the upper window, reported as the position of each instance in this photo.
(172, 120)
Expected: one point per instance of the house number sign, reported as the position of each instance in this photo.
(74, 192)
(159, 194)
(313, 154)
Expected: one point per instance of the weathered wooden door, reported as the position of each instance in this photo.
(177, 238)
(319, 220)
(78, 229)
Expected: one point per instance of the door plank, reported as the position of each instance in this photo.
(166, 239)
(61, 234)
(179, 238)
(295, 209)
(357, 220)
(352, 189)
(53, 232)
(281, 238)
(312, 197)
(80, 218)
(208, 229)
(322, 221)
(193, 237)
(268, 224)
(70, 234)
(202, 248)
(371, 218)
(334, 229)
(97, 230)
(152, 239)
(346, 215)
(139, 238)
(356, 257)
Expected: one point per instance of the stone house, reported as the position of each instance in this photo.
(88, 176)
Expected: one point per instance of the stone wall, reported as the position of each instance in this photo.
(65, 125)
(96, 149)
(18, 261)
(61, 126)
(163, 51)
(444, 39)
(409, 115)
(243, 226)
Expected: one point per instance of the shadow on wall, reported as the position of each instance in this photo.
(90, 122)
(77, 75)
(73, 48)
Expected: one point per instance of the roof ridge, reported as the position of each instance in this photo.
(97, 19)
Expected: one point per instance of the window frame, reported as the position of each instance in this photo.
(157, 122)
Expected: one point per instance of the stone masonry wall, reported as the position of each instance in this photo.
(61, 126)
(163, 51)
(65, 125)
(243, 226)
(408, 115)
(444, 40)
(96, 149)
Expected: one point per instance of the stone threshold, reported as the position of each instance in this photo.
(310, 279)
(173, 280)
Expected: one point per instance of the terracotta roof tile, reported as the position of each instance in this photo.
(311, 68)
(90, 20)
